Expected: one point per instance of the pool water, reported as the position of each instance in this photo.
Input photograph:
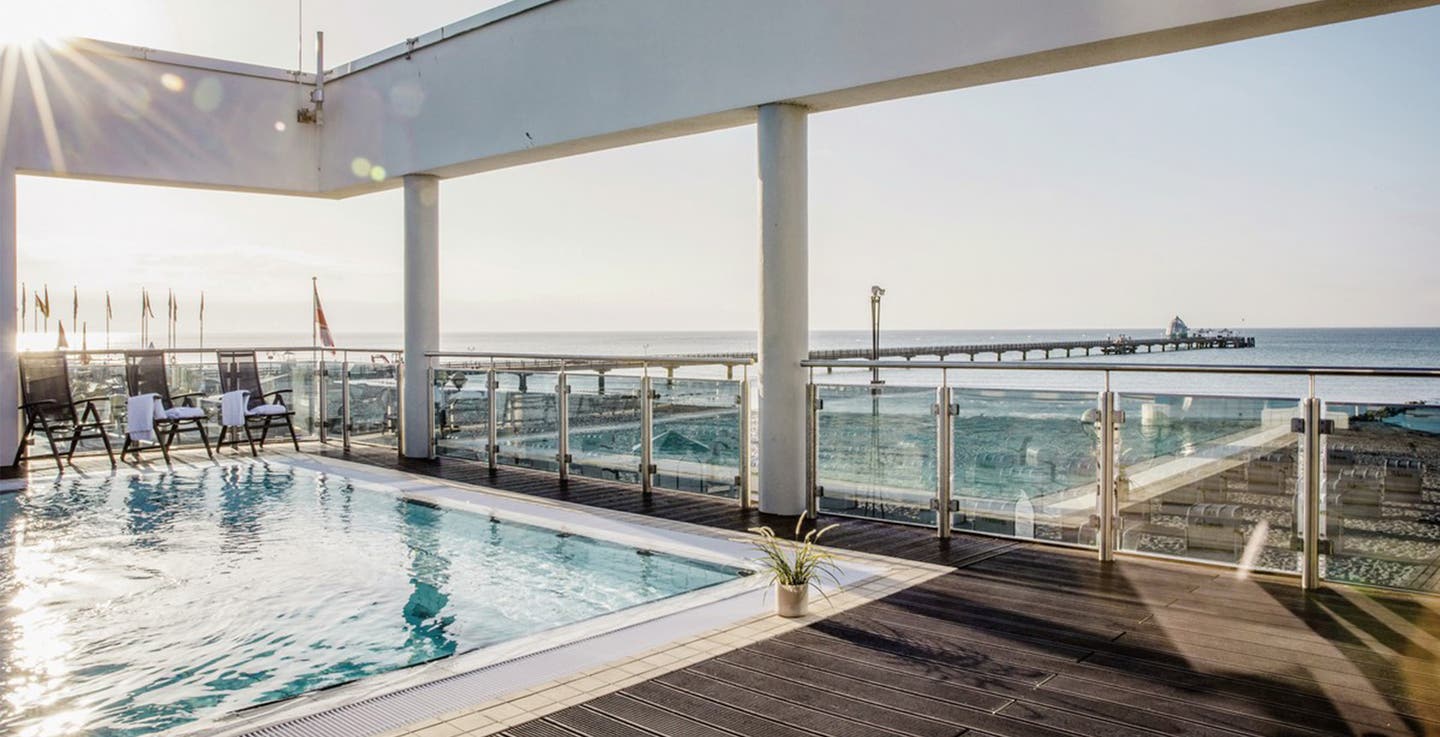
(134, 604)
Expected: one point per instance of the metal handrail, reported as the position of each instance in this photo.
(1183, 368)
(655, 360)
(211, 349)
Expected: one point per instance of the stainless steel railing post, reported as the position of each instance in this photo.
(1105, 531)
(647, 434)
(430, 396)
(400, 407)
(345, 402)
(812, 450)
(1310, 533)
(747, 492)
(492, 433)
(562, 413)
(322, 408)
(944, 452)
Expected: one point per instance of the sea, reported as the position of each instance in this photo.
(1274, 347)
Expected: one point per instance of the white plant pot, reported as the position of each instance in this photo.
(792, 601)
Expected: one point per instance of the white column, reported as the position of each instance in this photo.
(422, 307)
(9, 319)
(784, 307)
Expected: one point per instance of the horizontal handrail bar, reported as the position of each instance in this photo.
(657, 360)
(243, 348)
(1179, 368)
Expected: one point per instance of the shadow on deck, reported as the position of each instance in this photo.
(1024, 640)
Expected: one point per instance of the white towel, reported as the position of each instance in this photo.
(141, 412)
(233, 408)
(267, 409)
(184, 413)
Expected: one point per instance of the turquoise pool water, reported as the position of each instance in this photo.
(134, 604)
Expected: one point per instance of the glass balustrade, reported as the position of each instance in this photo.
(1024, 464)
(527, 420)
(462, 415)
(876, 452)
(374, 402)
(604, 423)
(697, 435)
(1381, 495)
(1209, 478)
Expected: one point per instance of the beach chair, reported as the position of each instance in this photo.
(240, 370)
(50, 408)
(145, 373)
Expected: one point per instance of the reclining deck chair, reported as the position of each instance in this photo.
(240, 371)
(50, 408)
(145, 374)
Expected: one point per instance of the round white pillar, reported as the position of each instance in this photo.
(422, 309)
(784, 307)
(9, 319)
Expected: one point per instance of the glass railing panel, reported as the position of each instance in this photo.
(1382, 495)
(462, 413)
(527, 420)
(1209, 478)
(374, 402)
(876, 452)
(697, 435)
(604, 425)
(1024, 464)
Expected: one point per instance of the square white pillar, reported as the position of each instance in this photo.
(422, 309)
(9, 318)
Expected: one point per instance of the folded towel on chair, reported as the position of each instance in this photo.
(268, 409)
(184, 413)
(141, 412)
(232, 408)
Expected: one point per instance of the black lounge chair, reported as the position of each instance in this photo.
(50, 408)
(145, 374)
(239, 370)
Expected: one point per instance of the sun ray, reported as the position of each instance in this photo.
(41, 95)
(9, 70)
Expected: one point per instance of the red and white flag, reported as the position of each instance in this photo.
(321, 325)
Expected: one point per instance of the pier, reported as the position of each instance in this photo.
(1046, 349)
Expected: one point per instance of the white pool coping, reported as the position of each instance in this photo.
(491, 688)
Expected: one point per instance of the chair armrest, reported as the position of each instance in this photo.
(276, 394)
(37, 403)
(83, 400)
(186, 395)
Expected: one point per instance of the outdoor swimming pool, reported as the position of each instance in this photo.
(136, 603)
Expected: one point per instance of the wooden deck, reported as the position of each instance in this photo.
(1026, 640)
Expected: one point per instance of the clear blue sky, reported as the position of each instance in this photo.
(1284, 181)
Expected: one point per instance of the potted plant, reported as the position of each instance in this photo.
(795, 566)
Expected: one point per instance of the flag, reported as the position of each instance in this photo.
(145, 303)
(44, 306)
(326, 339)
(24, 304)
(62, 343)
(202, 306)
(75, 306)
(109, 314)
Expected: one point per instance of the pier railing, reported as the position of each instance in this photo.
(1321, 472)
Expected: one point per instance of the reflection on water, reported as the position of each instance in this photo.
(138, 603)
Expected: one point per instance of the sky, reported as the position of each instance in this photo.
(1286, 181)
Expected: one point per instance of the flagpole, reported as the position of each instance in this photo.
(314, 312)
(202, 318)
